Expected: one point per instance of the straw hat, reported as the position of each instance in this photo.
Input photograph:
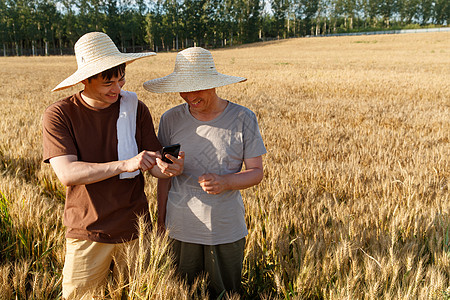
(194, 71)
(95, 52)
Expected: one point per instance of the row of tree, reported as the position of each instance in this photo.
(44, 27)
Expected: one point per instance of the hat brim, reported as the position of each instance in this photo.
(177, 83)
(99, 66)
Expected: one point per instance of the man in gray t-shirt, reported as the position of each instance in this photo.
(203, 208)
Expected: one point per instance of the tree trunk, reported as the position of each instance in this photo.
(53, 43)
(295, 26)
(288, 26)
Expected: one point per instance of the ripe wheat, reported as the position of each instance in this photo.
(355, 200)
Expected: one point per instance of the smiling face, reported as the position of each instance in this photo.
(204, 105)
(200, 101)
(101, 92)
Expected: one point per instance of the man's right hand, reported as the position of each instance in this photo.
(144, 161)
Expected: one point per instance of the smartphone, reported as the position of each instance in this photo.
(172, 150)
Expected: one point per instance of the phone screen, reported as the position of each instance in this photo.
(172, 150)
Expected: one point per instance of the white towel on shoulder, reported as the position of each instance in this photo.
(126, 130)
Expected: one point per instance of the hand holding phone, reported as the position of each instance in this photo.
(172, 150)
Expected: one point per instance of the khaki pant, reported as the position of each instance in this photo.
(222, 263)
(87, 265)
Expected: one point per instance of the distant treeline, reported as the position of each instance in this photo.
(45, 27)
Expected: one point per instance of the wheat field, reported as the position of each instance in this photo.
(355, 200)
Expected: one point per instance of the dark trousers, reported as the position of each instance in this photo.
(222, 263)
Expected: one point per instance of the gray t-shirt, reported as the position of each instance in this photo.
(218, 146)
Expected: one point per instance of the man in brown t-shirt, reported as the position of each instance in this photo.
(99, 141)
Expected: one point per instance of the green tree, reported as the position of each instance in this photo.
(426, 11)
(172, 22)
(408, 11)
(441, 12)
(155, 29)
(48, 20)
(195, 20)
(307, 11)
(4, 28)
(370, 10)
(346, 9)
(231, 20)
(279, 10)
(251, 20)
(387, 9)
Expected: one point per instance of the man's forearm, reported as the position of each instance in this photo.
(243, 179)
(71, 171)
(80, 173)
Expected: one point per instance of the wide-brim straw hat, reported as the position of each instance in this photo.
(194, 71)
(96, 52)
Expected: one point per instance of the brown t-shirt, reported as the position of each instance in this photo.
(104, 211)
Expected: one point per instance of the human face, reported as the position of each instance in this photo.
(100, 92)
(203, 101)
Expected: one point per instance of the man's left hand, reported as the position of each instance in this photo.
(212, 183)
(175, 168)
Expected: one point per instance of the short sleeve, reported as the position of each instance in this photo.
(163, 131)
(253, 142)
(57, 136)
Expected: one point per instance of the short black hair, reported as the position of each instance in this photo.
(110, 73)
